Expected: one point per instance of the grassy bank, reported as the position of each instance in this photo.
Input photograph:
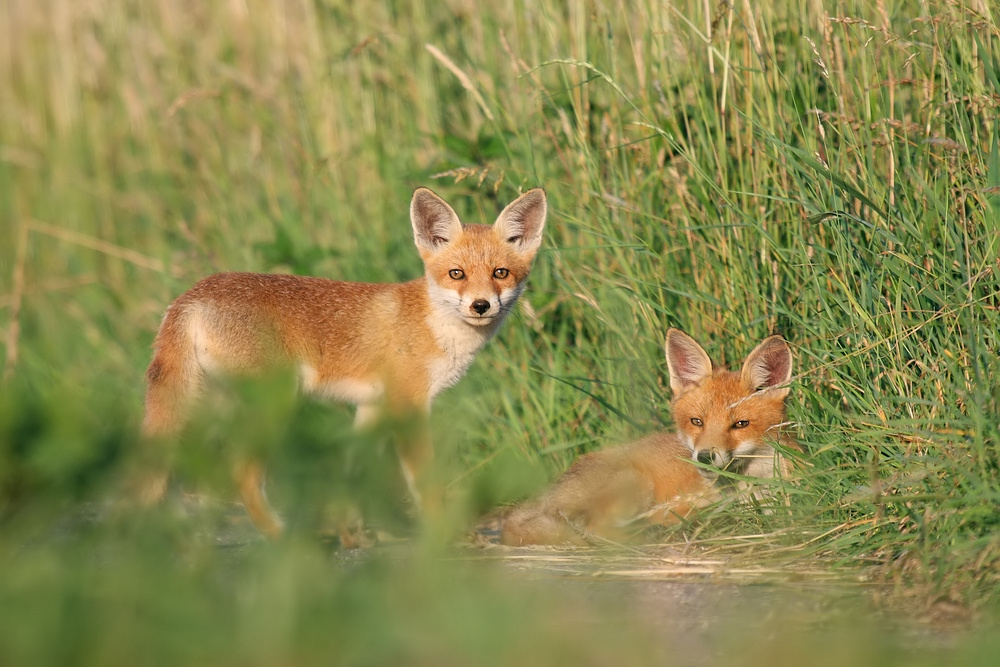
(828, 171)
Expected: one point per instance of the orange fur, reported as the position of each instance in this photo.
(379, 346)
(727, 419)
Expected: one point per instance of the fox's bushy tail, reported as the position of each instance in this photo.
(174, 375)
(172, 381)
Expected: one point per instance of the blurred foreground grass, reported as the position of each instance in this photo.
(830, 171)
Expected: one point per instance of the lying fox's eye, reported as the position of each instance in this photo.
(696, 421)
(500, 274)
(456, 274)
(743, 423)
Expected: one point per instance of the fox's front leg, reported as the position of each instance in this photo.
(416, 457)
(414, 449)
(249, 476)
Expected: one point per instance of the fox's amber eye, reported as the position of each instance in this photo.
(743, 423)
(500, 274)
(456, 274)
(696, 421)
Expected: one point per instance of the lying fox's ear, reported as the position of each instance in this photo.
(687, 363)
(435, 224)
(521, 223)
(769, 365)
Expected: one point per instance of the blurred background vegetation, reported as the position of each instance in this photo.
(827, 170)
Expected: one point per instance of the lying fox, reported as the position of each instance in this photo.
(379, 346)
(724, 419)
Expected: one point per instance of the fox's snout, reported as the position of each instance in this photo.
(705, 456)
(712, 456)
(479, 308)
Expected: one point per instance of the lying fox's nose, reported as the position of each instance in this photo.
(704, 456)
(481, 306)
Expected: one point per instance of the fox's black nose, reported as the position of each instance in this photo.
(481, 306)
(705, 456)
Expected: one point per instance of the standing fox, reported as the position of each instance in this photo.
(380, 346)
(725, 419)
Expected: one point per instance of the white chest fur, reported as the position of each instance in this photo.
(459, 343)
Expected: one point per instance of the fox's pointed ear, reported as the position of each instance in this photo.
(435, 224)
(687, 363)
(769, 366)
(521, 223)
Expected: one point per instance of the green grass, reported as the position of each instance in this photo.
(828, 171)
